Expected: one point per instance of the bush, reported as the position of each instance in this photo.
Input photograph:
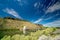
(30, 36)
(6, 38)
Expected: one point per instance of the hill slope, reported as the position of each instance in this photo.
(17, 24)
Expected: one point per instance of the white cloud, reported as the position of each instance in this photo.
(53, 8)
(19, 0)
(51, 17)
(50, 9)
(37, 21)
(40, 19)
(37, 5)
(12, 12)
(22, 2)
(54, 24)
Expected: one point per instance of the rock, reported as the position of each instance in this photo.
(56, 37)
(44, 37)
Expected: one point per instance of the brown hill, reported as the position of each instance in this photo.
(18, 24)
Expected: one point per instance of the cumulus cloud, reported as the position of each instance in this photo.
(55, 23)
(53, 8)
(12, 12)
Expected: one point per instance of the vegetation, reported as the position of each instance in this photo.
(14, 19)
(17, 35)
(11, 23)
(11, 29)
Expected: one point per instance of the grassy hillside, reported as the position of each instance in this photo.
(6, 23)
(11, 26)
(11, 29)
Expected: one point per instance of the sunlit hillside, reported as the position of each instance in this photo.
(12, 29)
(6, 23)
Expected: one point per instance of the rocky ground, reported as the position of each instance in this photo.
(44, 37)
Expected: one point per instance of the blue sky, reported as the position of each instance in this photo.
(46, 12)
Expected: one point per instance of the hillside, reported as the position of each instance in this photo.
(11, 29)
(6, 23)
